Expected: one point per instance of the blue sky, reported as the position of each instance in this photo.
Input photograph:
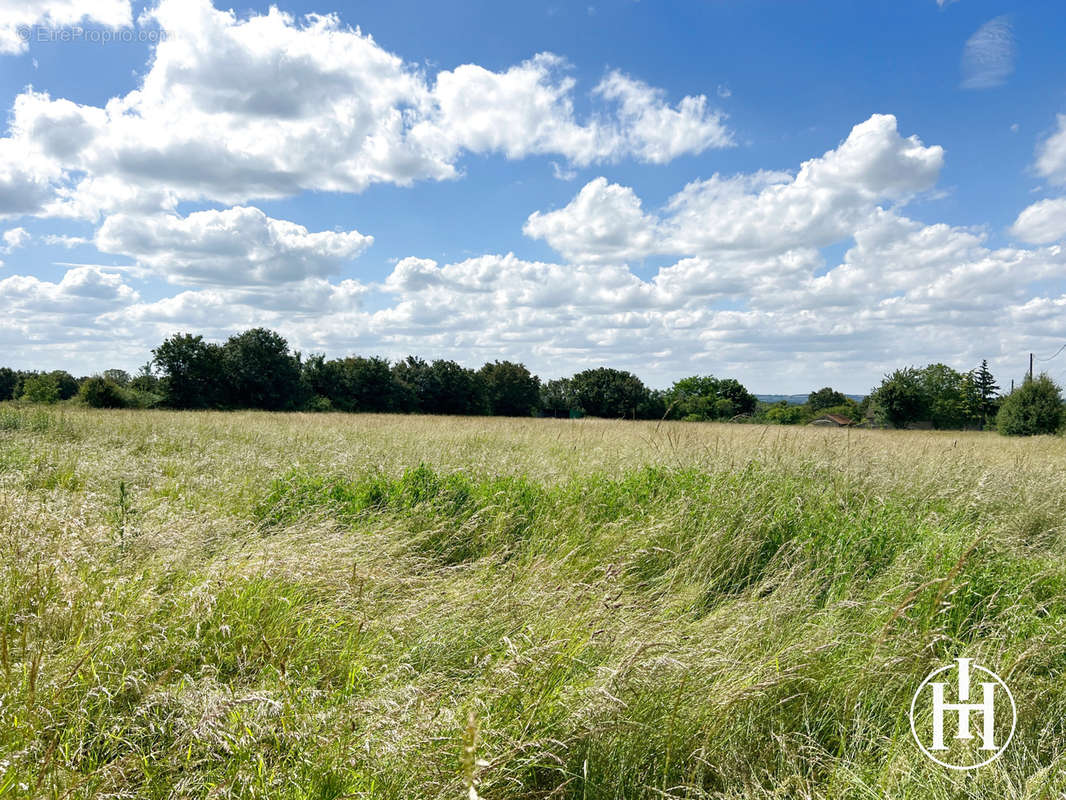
(794, 194)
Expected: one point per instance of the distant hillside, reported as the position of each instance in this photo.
(798, 399)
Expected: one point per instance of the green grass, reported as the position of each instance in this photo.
(326, 606)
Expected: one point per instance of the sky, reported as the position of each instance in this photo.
(792, 194)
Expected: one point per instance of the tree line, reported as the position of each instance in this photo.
(950, 400)
(942, 398)
(256, 369)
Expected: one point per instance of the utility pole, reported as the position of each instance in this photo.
(1030, 366)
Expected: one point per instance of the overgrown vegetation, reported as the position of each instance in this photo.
(321, 606)
(1036, 408)
(944, 397)
(256, 369)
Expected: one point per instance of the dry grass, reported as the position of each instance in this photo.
(324, 606)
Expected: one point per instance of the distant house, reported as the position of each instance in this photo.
(831, 421)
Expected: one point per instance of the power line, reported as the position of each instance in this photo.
(1052, 356)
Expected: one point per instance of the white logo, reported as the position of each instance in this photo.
(990, 749)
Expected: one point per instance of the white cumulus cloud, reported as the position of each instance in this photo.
(17, 16)
(235, 246)
(1051, 154)
(1042, 222)
(652, 130)
(14, 238)
(267, 105)
(744, 290)
(81, 291)
(759, 213)
(604, 222)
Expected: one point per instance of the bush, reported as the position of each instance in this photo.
(785, 414)
(849, 408)
(101, 393)
(138, 398)
(40, 389)
(1034, 409)
(319, 403)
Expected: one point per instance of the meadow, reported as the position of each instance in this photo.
(264, 605)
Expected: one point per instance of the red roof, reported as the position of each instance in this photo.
(839, 420)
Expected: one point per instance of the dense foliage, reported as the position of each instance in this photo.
(606, 392)
(257, 369)
(260, 372)
(40, 389)
(824, 398)
(9, 381)
(99, 392)
(351, 384)
(1033, 409)
(192, 370)
(938, 395)
(705, 397)
(513, 391)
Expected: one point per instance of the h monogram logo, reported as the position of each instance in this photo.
(966, 711)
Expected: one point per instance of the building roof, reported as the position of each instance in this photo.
(838, 419)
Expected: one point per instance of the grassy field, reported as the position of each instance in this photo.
(325, 606)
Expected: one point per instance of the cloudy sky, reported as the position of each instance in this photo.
(794, 194)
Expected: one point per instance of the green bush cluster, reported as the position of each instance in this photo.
(1035, 408)
(939, 395)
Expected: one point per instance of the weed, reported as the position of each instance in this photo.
(514, 608)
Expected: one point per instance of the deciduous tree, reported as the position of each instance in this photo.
(606, 392)
(192, 371)
(512, 390)
(40, 388)
(1034, 408)
(261, 372)
(900, 399)
(825, 397)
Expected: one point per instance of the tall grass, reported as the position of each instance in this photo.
(301, 606)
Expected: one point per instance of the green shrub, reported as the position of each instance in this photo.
(101, 393)
(41, 389)
(139, 398)
(319, 403)
(788, 415)
(1034, 409)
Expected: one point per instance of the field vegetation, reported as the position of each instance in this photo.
(265, 605)
(258, 370)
